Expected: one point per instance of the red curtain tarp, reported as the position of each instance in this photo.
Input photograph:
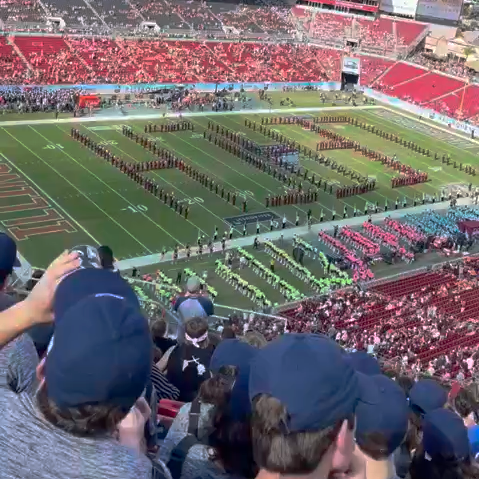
(88, 100)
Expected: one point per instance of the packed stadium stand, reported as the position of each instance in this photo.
(73, 60)
(11, 65)
(425, 316)
(382, 35)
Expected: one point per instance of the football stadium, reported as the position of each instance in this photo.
(241, 191)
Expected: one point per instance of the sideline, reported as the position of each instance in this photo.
(149, 116)
(185, 114)
(287, 233)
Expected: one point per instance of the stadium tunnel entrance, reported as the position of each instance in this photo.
(349, 81)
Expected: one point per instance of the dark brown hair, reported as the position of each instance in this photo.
(406, 383)
(216, 390)
(441, 468)
(228, 333)
(231, 442)
(195, 328)
(292, 453)
(90, 420)
(374, 445)
(464, 403)
(414, 433)
(158, 328)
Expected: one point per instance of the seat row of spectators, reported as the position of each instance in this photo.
(85, 404)
(178, 15)
(384, 35)
(423, 322)
(85, 60)
(75, 60)
(451, 66)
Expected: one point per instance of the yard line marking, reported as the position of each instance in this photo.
(303, 133)
(81, 192)
(241, 174)
(44, 193)
(157, 175)
(315, 202)
(156, 115)
(171, 184)
(99, 179)
(419, 159)
(166, 181)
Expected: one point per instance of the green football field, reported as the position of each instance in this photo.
(55, 193)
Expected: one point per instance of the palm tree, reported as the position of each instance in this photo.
(468, 51)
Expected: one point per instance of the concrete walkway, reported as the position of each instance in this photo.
(289, 233)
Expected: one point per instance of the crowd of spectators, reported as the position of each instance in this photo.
(21, 11)
(452, 66)
(379, 35)
(272, 20)
(37, 99)
(77, 60)
(424, 323)
(103, 60)
(76, 13)
(112, 396)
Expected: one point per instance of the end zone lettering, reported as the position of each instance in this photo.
(252, 218)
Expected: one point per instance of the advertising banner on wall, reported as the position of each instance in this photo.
(440, 9)
(400, 7)
(349, 5)
(351, 65)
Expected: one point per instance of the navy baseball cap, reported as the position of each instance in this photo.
(90, 281)
(101, 353)
(310, 375)
(8, 255)
(389, 416)
(364, 363)
(427, 395)
(233, 352)
(445, 435)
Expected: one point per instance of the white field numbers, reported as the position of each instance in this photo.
(108, 142)
(136, 209)
(192, 201)
(245, 193)
(53, 146)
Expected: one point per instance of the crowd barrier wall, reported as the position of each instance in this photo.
(205, 87)
(423, 112)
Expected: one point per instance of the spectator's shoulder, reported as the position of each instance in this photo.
(29, 441)
(18, 362)
(206, 304)
(179, 300)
